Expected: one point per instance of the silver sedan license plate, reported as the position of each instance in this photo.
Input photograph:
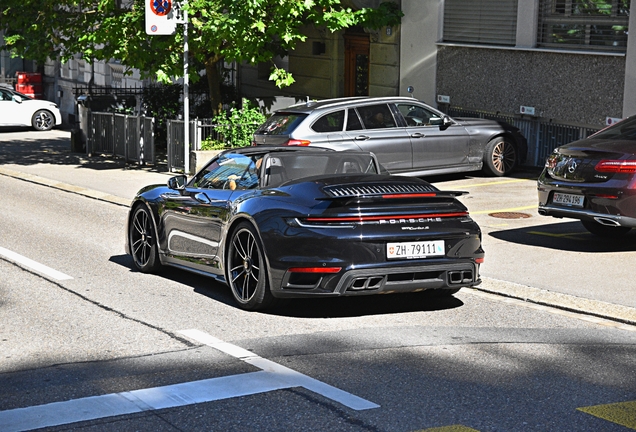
(568, 199)
(409, 250)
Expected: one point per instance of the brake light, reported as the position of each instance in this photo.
(295, 142)
(315, 269)
(411, 195)
(386, 217)
(607, 196)
(616, 166)
(479, 260)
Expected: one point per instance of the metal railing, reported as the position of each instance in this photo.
(543, 136)
(121, 135)
(200, 131)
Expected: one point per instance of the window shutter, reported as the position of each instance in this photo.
(492, 22)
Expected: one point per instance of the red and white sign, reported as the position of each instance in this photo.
(161, 17)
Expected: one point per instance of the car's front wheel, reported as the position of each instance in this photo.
(500, 157)
(247, 269)
(142, 239)
(43, 120)
(605, 230)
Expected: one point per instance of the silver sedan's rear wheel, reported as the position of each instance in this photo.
(142, 239)
(43, 120)
(500, 157)
(247, 269)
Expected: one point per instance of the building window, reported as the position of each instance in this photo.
(489, 22)
(584, 24)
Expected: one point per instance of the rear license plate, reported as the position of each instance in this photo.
(408, 250)
(568, 199)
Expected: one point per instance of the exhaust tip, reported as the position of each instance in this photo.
(607, 221)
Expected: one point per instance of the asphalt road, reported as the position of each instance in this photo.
(87, 343)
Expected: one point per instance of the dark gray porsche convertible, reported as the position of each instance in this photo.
(284, 222)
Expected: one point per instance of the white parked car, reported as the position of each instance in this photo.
(17, 109)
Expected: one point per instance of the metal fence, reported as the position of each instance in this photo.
(120, 135)
(543, 136)
(200, 131)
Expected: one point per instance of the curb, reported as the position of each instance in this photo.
(597, 308)
(101, 196)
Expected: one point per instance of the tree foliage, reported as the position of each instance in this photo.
(255, 31)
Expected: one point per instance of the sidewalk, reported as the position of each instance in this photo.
(45, 158)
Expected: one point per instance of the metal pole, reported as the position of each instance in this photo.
(186, 101)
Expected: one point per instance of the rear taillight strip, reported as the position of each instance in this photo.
(386, 217)
(616, 166)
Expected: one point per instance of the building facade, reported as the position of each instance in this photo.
(558, 60)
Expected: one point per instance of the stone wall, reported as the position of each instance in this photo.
(579, 88)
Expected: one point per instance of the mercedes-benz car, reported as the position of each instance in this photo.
(17, 109)
(594, 180)
(284, 222)
(408, 136)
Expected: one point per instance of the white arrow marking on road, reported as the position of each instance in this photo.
(33, 265)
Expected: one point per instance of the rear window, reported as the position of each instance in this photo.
(281, 124)
(625, 130)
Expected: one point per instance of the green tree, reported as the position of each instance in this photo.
(255, 31)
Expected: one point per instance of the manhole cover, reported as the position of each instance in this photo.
(509, 215)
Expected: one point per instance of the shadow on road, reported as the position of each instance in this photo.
(566, 236)
(342, 307)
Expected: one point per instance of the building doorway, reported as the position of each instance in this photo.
(356, 64)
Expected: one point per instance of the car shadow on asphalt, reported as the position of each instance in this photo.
(566, 236)
(340, 307)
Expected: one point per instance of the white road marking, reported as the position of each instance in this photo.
(33, 265)
(295, 379)
(272, 377)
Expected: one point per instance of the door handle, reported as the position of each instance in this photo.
(202, 198)
(361, 138)
(418, 135)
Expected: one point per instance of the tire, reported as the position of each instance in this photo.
(247, 269)
(43, 120)
(142, 239)
(500, 157)
(604, 230)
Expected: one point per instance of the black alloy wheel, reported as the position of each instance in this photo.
(143, 241)
(247, 269)
(605, 230)
(500, 157)
(43, 120)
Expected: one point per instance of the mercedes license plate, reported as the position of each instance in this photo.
(421, 249)
(568, 199)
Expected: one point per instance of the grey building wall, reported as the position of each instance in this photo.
(578, 88)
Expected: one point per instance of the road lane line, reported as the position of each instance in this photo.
(622, 413)
(271, 377)
(514, 209)
(136, 401)
(33, 265)
(496, 183)
(295, 379)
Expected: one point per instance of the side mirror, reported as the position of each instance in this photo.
(443, 122)
(17, 98)
(177, 182)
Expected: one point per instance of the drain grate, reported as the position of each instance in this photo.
(509, 215)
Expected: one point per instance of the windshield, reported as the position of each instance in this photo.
(625, 130)
(283, 167)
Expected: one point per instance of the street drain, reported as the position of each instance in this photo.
(509, 215)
